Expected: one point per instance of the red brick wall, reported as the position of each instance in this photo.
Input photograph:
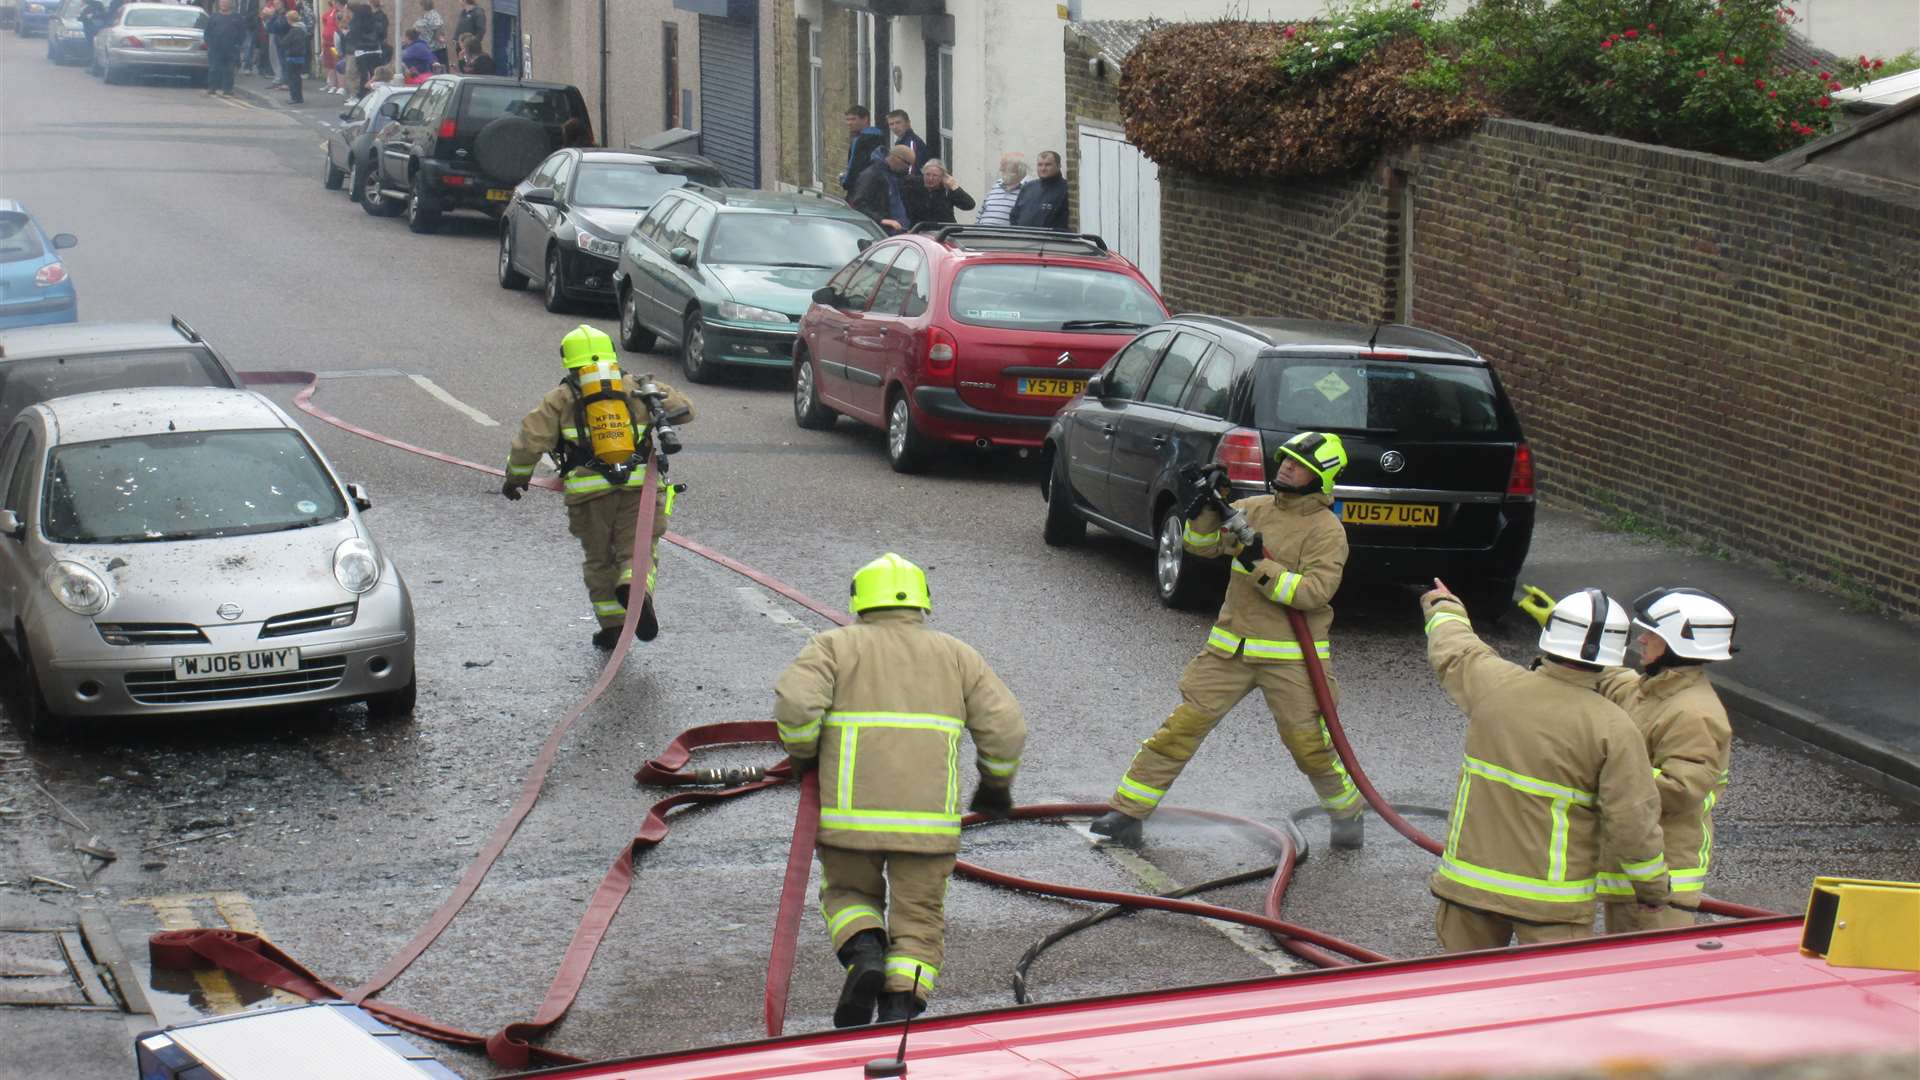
(1728, 351)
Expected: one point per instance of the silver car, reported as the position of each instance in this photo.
(176, 550)
(152, 39)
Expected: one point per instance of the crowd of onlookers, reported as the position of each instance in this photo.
(891, 177)
(350, 43)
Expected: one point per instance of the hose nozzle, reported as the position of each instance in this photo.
(734, 776)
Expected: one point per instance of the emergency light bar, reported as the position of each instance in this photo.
(327, 1041)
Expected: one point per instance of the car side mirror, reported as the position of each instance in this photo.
(390, 109)
(538, 196)
(65, 240)
(12, 525)
(828, 295)
(681, 255)
(1096, 387)
(361, 500)
(863, 243)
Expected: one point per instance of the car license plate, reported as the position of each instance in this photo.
(1051, 387)
(1413, 515)
(172, 43)
(235, 664)
(498, 194)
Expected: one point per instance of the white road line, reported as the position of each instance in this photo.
(755, 599)
(454, 403)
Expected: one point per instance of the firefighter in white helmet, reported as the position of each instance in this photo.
(1554, 774)
(1688, 742)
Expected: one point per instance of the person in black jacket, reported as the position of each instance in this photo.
(295, 42)
(471, 20)
(880, 193)
(1043, 199)
(366, 34)
(224, 34)
(934, 195)
(866, 145)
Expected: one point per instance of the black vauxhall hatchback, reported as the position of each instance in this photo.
(1439, 481)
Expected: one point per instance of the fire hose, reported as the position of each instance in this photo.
(253, 957)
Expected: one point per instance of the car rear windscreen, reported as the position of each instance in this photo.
(487, 102)
(30, 381)
(1036, 296)
(626, 187)
(1407, 397)
(182, 17)
(19, 239)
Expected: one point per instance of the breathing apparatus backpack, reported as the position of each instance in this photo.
(603, 415)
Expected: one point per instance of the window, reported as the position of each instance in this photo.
(488, 101)
(946, 105)
(1038, 296)
(562, 172)
(863, 35)
(19, 456)
(1405, 397)
(693, 233)
(1170, 378)
(180, 18)
(28, 382)
(649, 226)
(627, 187)
(19, 240)
(671, 230)
(917, 300)
(543, 176)
(817, 68)
(1130, 366)
(788, 240)
(1211, 387)
(867, 278)
(670, 74)
(897, 286)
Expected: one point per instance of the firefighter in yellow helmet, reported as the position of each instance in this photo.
(602, 489)
(880, 706)
(1294, 560)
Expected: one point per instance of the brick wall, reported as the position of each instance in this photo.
(1726, 350)
(1091, 98)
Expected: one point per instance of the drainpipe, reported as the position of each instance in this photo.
(606, 122)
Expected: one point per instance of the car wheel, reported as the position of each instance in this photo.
(332, 177)
(693, 350)
(554, 289)
(374, 198)
(40, 721)
(509, 277)
(633, 336)
(1489, 600)
(906, 447)
(357, 188)
(1064, 525)
(808, 412)
(421, 216)
(1177, 575)
(395, 705)
(110, 76)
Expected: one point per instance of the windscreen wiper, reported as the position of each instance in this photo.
(1101, 324)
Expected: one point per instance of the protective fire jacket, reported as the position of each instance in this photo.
(1309, 549)
(553, 422)
(883, 704)
(1553, 773)
(1689, 742)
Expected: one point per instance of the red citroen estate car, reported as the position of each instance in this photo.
(961, 334)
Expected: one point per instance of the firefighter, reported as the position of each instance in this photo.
(1688, 741)
(1294, 560)
(1553, 774)
(879, 707)
(602, 496)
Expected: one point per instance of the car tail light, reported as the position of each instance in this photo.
(1376, 354)
(448, 128)
(132, 42)
(1520, 480)
(454, 181)
(942, 351)
(1239, 451)
(200, 47)
(51, 274)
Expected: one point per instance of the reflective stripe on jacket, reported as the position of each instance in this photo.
(1309, 549)
(552, 421)
(883, 704)
(1552, 773)
(1689, 743)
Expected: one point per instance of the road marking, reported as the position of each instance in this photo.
(452, 402)
(176, 913)
(755, 599)
(238, 911)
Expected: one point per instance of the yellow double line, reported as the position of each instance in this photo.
(177, 912)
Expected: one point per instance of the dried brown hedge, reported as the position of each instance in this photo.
(1208, 98)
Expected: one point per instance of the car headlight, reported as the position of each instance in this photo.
(747, 313)
(78, 589)
(356, 565)
(598, 246)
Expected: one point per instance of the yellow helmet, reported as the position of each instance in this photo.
(1322, 453)
(583, 345)
(889, 582)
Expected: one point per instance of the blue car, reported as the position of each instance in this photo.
(35, 289)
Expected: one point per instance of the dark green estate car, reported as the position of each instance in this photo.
(726, 273)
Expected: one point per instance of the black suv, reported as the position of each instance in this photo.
(1439, 482)
(463, 142)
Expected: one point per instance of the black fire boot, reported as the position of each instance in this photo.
(897, 1005)
(1120, 828)
(865, 957)
(606, 637)
(1349, 834)
(621, 592)
(649, 627)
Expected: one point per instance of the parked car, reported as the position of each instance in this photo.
(152, 39)
(349, 142)
(463, 142)
(35, 288)
(54, 361)
(963, 335)
(178, 550)
(725, 273)
(32, 15)
(567, 221)
(68, 41)
(1439, 482)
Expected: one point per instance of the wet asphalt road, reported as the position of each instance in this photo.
(345, 835)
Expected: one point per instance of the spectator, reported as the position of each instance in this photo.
(363, 47)
(997, 207)
(900, 127)
(274, 23)
(224, 34)
(433, 31)
(249, 45)
(880, 194)
(866, 145)
(1043, 200)
(330, 42)
(935, 195)
(473, 59)
(295, 41)
(416, 56)
(471, 20)
(383, 29)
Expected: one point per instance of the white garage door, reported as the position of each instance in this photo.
(1120, 198)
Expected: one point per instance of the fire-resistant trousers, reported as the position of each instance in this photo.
(1465, 929)
(605, 527)
(1627, 917)
(1209, 689)
(900, 893)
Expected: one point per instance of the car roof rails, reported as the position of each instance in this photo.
(707, 190)
(186, 331)
(1008, 236)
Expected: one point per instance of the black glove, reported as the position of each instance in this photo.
(799, 766)
(512, 488)
(993, 800)
(1252, 552)
(1196, 505)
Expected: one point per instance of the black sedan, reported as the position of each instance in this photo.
(349, 143)
(567, 221)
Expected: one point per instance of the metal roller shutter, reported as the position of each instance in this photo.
(730, 97)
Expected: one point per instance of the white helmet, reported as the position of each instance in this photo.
(1588, 626)
(1695, 624)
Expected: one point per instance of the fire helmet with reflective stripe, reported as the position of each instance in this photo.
(583, 345)
(1588, 626)
(1322, 453)
(889, 582)
(1695, 624)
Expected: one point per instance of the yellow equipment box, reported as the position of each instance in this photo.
(1867, 924)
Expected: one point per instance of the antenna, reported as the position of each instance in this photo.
(1373, 337)
(897, 1064)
